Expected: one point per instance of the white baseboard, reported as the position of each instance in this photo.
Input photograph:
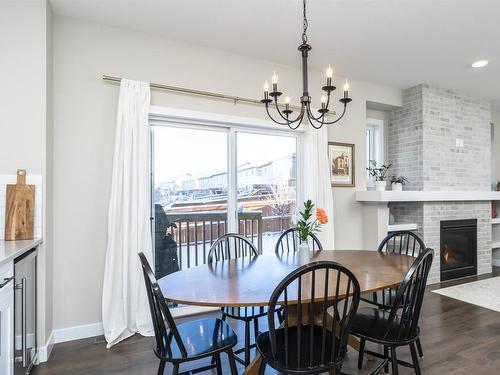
(78, 332)
(68, 334)
(96, 329)
(44, 351)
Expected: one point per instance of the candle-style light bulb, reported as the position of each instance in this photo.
(346, 89)
(287, 100)
(266, 87)
(346, 85)
(323, 101)
(274, 79)
(329, 72)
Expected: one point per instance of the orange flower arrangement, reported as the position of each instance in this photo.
(306, 223)
(321, 215)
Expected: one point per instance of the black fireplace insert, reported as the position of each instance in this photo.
(458, 248)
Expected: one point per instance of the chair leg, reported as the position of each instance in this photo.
(247, 343)
(232, 362)
(175, 371)
(362, 343)
(218, 366)
(386, 355)
(414, 357)
(161, 368)
(419, 348)
(394, 360)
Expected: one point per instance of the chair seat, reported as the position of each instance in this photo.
(245, 313)
(306, 361)
(202, 337)
(372, 323)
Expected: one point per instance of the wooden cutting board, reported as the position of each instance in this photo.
(20, 209)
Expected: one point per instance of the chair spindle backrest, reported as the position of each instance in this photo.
(309, 293)
(402, 242)
(163, 322)
(289, 241)
(231, 246)
(408, 301)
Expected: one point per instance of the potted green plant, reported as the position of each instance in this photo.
(379, 174)
(397, 182)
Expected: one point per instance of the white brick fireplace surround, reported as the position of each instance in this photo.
(440, 141)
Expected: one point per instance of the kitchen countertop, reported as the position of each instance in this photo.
(9, 250)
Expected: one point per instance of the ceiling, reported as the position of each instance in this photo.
(397, 43)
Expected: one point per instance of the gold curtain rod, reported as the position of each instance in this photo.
(185, 90)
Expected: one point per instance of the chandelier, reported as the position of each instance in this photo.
(285, 116)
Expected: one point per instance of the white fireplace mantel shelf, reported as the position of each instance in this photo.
(425, 196)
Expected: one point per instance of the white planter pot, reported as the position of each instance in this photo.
(380, 185)
(396, 186)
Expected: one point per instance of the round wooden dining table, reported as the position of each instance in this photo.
(251, 281)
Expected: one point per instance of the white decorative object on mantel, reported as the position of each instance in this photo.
(397, 186)
(380, 185)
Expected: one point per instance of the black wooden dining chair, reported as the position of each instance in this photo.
(233, 246)
(206, 338)
(288, 241)
(398, 242)
(302, 345)
(398, 326)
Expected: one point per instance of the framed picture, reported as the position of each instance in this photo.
(342, 162)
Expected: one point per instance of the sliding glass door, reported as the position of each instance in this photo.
(190, 194)
(266, 186)
(208, 181)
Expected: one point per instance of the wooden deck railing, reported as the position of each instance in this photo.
(196, 231)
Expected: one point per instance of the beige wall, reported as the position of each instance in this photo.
(26, 118)
(22, 96)
(84, 125)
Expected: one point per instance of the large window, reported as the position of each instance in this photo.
(208, 181)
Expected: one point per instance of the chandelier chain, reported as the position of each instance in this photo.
(306, 24)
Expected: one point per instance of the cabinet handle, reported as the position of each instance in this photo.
(6, 281)
(22, 286)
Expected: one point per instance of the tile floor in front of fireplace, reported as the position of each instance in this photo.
(458, 338)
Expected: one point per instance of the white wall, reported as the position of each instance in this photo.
(84, 124)
(26, 116)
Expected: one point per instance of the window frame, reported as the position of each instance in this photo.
(174, 117)
(374, 143)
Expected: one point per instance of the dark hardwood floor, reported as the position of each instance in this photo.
(457, 338)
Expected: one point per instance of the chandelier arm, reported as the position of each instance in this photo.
(285, 118)
(338, 119)
(313, 120)
(312, 117)
(272, 118)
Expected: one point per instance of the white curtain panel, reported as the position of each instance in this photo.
(317, 184)
(125, 308)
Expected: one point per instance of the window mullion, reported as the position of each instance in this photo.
(232, 194)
